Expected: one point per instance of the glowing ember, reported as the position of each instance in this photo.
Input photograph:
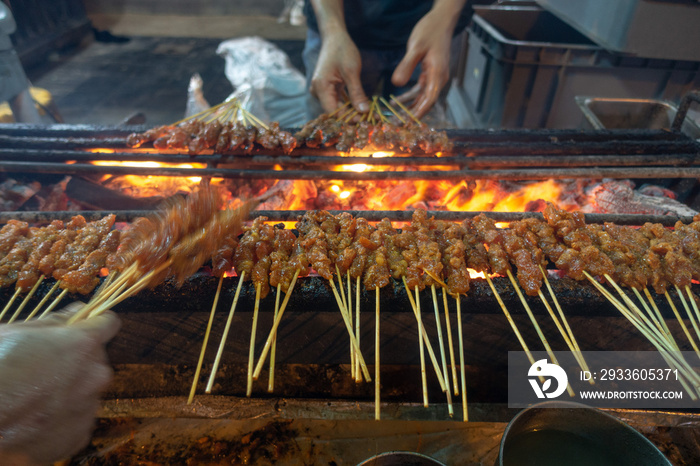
(481, 195)
(145, 186)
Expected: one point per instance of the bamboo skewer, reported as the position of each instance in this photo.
(26, 300)
(548, 348)
(683, 326)
(224, 336)
(358, 378)
(54, 304)
(198, 369)
(462, 369)
(661, 319)
(10, 303)
(377, 385)
(423, 375)
(691, 298)
(688, 311)
(348, 326)
(653, 317)
(564, 320)
(576, 352)
(392, 110)
(510, 320)
(251, 353)
(450, 343)
(121, 294)
(275, 324)
(43, 301)
(403, 107)
(433, 359)
(273, 350)
(205, 112)
(662, 345)
(441, 343)
(349, 311)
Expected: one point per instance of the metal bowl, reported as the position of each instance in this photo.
(400, 458)
(556, 433)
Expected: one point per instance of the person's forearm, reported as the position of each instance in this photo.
(329, 16)
(449, 10)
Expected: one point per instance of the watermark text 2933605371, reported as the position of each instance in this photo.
(613, 379)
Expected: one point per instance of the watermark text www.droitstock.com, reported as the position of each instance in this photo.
(611, 379)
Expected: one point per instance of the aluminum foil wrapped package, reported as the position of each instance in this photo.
(265, 81)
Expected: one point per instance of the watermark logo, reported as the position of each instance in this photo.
(548, 371)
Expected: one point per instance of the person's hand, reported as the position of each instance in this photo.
(338, 68)
(51, 376)
(429, 45)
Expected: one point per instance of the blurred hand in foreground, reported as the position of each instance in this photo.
(51, 376)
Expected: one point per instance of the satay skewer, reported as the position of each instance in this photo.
(251, 352)
(423, 375)
(224, 336)
(207, 332)
(543, 339)
(273, 351)
(450, 342)
(46, 297)
(462, 369)
(377, 385)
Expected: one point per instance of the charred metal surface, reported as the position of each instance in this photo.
(267, 174)
(313, 294)
(371, 215)
(478, 155)
(473, 162)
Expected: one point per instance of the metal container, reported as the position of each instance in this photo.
(400, 458)
(647, 28)
(525, 67)
(555, 433)
(610, 113)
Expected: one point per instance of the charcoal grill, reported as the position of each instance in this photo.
(154, 355)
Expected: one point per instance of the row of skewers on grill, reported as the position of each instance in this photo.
(230, 129)
(426, 253)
